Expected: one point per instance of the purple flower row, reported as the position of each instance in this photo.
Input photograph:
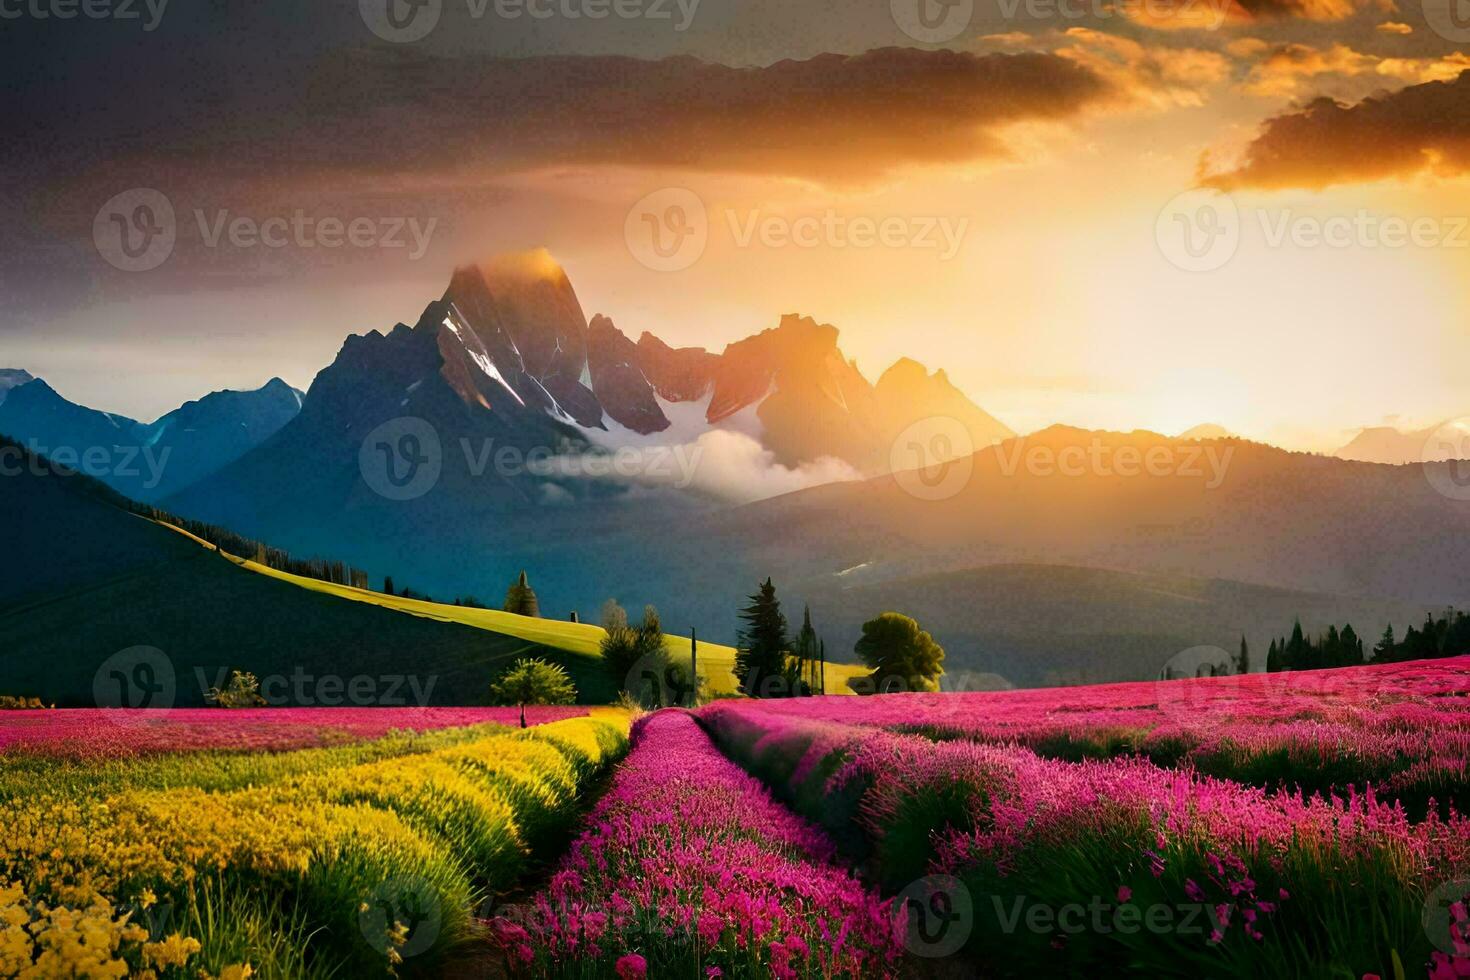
(1011, 822)
(1402, 729)
(689, 867)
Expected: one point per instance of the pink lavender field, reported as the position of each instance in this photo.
(1308, 824)
(102, 732)
(1072, 832)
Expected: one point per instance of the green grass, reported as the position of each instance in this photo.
(716, 661)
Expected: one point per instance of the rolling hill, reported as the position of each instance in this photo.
(716, 661)
(95, 579)
(1295, 534)
(1042, 625)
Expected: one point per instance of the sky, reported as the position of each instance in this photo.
(1114, 213)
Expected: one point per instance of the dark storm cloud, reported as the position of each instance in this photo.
(407, 114)
(385, 132)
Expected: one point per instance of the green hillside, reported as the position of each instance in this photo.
(89, 579)
(716, 661)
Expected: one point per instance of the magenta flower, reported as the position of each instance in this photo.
(689, 858)
(631, 967)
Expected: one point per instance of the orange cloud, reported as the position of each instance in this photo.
(1394, 27)
(1212, 14)
(1422, 128)
(1149, 74)
(1288, 70)
(1010, 38)
(1284, 70)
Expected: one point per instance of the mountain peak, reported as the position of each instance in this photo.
(532, 265)
(522, 307)
(1201, 433)
(907, 373)
(678, 374)
(13, 378)
(618, 380)
(807, 329)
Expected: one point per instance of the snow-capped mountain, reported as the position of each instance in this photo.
(505, 368)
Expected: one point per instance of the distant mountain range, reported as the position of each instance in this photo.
(505, 367)
(1386, 444)
(144, 461)
(1231, 510)
(503, 430)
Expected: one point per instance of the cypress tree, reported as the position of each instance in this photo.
(1383, 650)
(762, 646)
(806, 653)
(1294, 657)
(520, 598)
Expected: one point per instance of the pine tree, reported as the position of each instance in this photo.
(806, 653)
(763, 645)
(1273, 659)
(1243, 662)
(694, 662)
(521, 599)
(1294, 656)
(388, 586)
(1383, 650)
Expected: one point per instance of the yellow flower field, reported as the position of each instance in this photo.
(385, 848)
